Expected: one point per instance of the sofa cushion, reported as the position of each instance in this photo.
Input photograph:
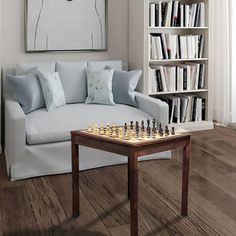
(73, 79)
(100, 65)
(55, 126)
(123, 85)
(27, 91)
(23, 68)
(53, 92)
(99, 84)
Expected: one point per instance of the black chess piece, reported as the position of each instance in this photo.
(153, 123)
(137, 125)
(161, 132)
(154, 126)
(160, 126)
(126, 127)
(142, 126)
(131, 124)
(148, 131)
(148, 123)
(173, 131)
(167, 132)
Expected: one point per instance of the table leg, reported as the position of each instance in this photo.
(128, 170)
(75, 178)
(133, 178)
(185, 176)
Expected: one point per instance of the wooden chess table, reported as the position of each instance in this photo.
(133, 144)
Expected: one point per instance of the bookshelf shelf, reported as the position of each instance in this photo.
(177, 28)
(141, 53)
(178, 92)
(177, 60)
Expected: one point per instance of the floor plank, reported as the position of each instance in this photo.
(42, 206)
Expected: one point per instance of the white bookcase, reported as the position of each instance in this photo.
(139, 54)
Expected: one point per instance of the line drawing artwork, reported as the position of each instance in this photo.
(65, 25)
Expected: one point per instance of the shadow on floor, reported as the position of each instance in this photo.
(164, 226)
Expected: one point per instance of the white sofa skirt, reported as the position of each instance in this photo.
(48, 159)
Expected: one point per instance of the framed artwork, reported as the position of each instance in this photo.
(65, 25)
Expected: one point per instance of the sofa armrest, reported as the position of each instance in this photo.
(155, 107)
(15, 130)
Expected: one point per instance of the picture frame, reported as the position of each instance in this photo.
(65, 25)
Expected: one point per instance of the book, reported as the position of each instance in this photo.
(203, 109)
(157, 15)
(153, 48)
(202, 15)
(159, 48)
(152, 13)
(159, 81)
(201, 76)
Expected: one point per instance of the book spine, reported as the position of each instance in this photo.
(156, 15)
(159, 82)
(203, 109)
(185, 86)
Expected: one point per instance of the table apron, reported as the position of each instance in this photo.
(143, 150)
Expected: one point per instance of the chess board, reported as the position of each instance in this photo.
(132, 133)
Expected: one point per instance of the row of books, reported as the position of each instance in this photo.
(172, 46)
(181, 77)
(175, 14)
(185, 108)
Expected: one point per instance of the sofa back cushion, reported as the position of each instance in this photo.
(100, 65)
(26, 90)
(123, 85)
(73, 79)
(23, 68)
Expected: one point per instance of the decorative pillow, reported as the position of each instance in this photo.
(52, 90)
(27, 91)
(73, 80)
(123, 85)
(99, 85)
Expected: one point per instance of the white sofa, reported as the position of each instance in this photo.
(38, 143)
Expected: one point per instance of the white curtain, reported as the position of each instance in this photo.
(221, 59)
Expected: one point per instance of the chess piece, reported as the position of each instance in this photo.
(142, 125)
(154, 126)
(160, 127)
(167, 132)
(101, 130)
(96, 128)
(113, 133)
(89, 128)
(120, 134)
(125, 127)
(161, 132)
(173, 131)
(131, 124)
(153, 123)
(148, 123)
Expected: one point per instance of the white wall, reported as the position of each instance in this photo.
(13, 36)
(233, 87)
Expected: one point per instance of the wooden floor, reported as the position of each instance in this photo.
(42, 206)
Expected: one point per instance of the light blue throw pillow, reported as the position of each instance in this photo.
(52, 90)
(123, 86)
(99, 85)
(27, 91)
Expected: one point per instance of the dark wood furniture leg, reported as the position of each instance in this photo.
(133, 177)
(75, 177)
(185, 174)
(128, 169)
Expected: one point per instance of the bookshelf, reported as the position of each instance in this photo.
(139, 56)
